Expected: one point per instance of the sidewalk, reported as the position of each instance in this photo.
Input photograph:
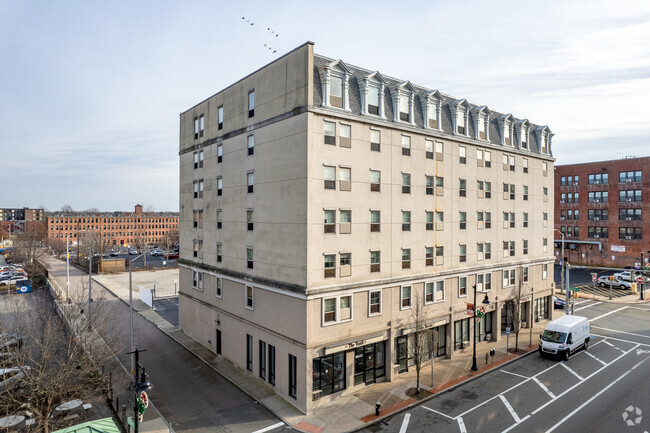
(355, 409)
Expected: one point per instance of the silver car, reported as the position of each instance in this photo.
(617, 283)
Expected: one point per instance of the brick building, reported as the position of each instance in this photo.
(115, 229)
(600, 209)
(15, 220)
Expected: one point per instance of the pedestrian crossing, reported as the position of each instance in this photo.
(602, 291)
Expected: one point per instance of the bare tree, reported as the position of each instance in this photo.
(59, 362)
(169, 240)
(418, 318)
(29, 244)
(67, 209)
(513, 306)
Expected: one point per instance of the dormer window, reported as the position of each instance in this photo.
(544, 136)
(481, 118)
(459, 116)
(372, 90)
(431, 108)
(523, 127)
(403, 103)
(334, 80)
(505, 123)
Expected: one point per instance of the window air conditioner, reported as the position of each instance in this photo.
(596, 181)
(596, 219)
(628, 218)
(597, 200)
(628, 237)
(561, 201)
(629, 199)
(628, 180)
(596, 236)
(561, 218)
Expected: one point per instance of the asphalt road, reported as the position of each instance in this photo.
(602, 389)
(186, 391)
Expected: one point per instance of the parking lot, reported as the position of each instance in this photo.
(590, 392)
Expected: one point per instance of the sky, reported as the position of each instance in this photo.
(91, 91)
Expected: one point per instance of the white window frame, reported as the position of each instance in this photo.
(197, 280)
(218, 287)
(466, 291)
(525, 274)
(370, 292)
(506, 280)
(544, 271)
(252, 297)
(401, 298)
(337, 310)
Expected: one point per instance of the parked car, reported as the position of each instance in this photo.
(13, 281)
(133, 251)
(558, 303)
(114, 253)
(625, 275)
(603, 281)
(157, 252)
(172, 255)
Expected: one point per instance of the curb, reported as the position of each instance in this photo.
(448, 389)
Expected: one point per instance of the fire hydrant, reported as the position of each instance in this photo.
(377, 408)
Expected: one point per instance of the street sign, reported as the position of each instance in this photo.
(507, 331)
(594, 277)
(639, 279)
(574, 289)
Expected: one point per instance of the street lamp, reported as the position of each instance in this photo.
(140, 385)
(133, 358)
(566, 289)
(486, 301)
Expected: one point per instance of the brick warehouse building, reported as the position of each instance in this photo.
(600, 208)
(115, 229)
(321, 201)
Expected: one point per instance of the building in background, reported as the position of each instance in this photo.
(321, 201)
(600, 209)
(114, 229)
(15, 220)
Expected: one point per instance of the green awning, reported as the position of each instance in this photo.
(104, 425)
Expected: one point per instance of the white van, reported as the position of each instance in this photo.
(564, 336)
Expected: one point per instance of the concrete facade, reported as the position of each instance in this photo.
(351, 218)
(612, 230)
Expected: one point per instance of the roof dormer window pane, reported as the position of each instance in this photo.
(481, 129)
(373, 100)
(506, 133)
(404, 108)
(433, 116)
(336, 92)
(461, 122)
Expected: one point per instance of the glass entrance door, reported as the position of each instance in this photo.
(402, 353)
(369, 362)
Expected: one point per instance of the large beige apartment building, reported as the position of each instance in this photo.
(320, 201)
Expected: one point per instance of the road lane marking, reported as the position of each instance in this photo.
(541, 385)
(510, 409)
(587, 306)
(596, 358)
(461, 424)
(515, 374)
(582, 302)
(607, 314)
(620, 339)
(579, 408)
(271, 427)
(571, 371)
(622, 332)
(405, 423)
(439, 413)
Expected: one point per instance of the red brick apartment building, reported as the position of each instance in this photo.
(116, 229)
(602, 210)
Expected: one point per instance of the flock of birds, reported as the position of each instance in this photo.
(269, 30)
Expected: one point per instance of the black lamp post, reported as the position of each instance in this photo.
(141, 384)
(486, 301)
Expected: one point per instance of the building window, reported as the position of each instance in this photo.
(219, 153)
(406, 258)
(249, 352)
(199, 126)
(462, 188)
(249, 219)
(545, 193)
(374, 303)
(329, 265)
(249, 298)
(220, 117)
(271, 364)
(330, 132)
(406, 145)
(461, 333)
(600, 196)
(330, 177)
(628, 233)
(219, 252)
(251, 103)
(524, 163)
(375, 261)
(406, 183)
(345, 179)
(440, 255)
(480, 248)
(375, 220)
(463, 220)
(623, 214)
(428, 256)
(262, 360)
(219, 185)
(375, 180)
(329, 221)
(544, 271)
(596, 179)
(197, 280)
(462, 253)
(440, 220)
(218, 289)
(627, 195)
(345, 260)
(338, 309)
(198, 159)
(462, 154)
(629, 176)
(545, 168)
(428, 149)
(293, 374)
(249, 257)
(346, 135)
(329, 373)
(428, 293)
(508, 277)
(251, 144)
(525, 246)
(375, 140)
(428, 220)
(250, 181)
(462, 286)
(406, 221)
(405, 299)
(219, 219)
(525, 192)
(345, 221)
(544, 245)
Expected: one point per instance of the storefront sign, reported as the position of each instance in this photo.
(618, 248)
(429, 325)
(353, 344)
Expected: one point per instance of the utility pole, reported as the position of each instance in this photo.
(90, 279)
